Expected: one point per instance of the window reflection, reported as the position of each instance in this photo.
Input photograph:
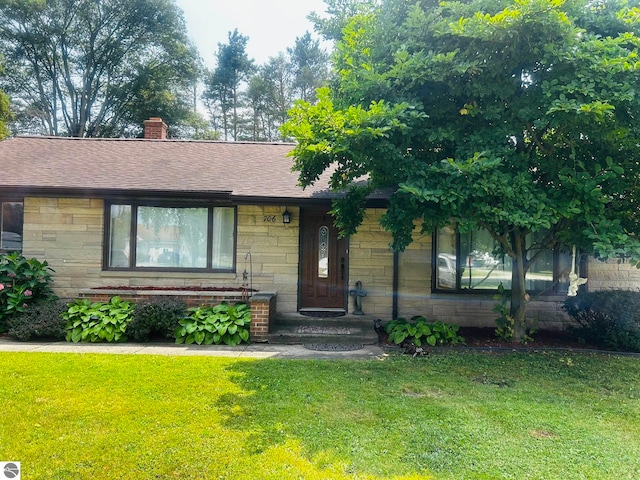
(11, 222)
(474, 261)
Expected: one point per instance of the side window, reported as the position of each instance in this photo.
(11, 221)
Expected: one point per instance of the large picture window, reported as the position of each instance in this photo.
(11, 221)
(166, 237)
(472, 261)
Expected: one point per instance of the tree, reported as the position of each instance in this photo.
(82, 68)
(269, 98)
(517, 117)
(5, 115)
(310, 67)
(223, 86)
(279, 82)
(5, 112)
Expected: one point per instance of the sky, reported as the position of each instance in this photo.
(271, 25)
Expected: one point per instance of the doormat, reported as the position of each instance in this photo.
(315, 330)
(333, 347)
(323, 313)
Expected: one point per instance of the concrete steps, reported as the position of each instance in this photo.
(296, 329)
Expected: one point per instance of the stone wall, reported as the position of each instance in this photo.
(371, 262)
(68, 233)
(274, 251)
(612, 275)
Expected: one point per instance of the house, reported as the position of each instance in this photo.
(156, 212)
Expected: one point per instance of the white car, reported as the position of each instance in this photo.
(446, 271)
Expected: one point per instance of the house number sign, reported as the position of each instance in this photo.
(269, 218)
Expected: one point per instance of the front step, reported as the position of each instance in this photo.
(295, 329)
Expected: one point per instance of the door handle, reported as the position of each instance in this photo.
(342, 268)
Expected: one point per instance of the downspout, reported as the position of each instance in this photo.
(396, 262)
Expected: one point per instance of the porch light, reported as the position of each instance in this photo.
(286, 216)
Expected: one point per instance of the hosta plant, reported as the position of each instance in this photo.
(223, 323)
(98, 321)
(418, 330)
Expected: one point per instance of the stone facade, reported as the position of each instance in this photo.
(273, 245)
(68, 233)
(612, 275)
(371, 261)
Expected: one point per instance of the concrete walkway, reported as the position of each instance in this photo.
(256, 350)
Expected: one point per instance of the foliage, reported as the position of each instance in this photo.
(515, 117)
(319, 419)
(5, 113)
(88, 321)
(42, 319)
(22, 282)
(223, 323)
(223, 85)
(249, 102)
(309, 65)
(156, 317)
(418, 330)
(96, 68)
(608, 318)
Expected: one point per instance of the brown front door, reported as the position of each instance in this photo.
(323, 263)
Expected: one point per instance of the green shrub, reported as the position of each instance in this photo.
(418, 330)
(22, 282)
(41, 320)
(609, 319)
(156, 318)
(224, 323)
(88, 321)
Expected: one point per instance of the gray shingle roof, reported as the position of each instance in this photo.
(251, 170)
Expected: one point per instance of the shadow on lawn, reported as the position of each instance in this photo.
(338, 412)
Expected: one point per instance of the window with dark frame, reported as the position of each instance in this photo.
(170, 237)
(472, 262)
(11, 225)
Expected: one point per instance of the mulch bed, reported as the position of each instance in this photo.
(486, 337)
(477, 337)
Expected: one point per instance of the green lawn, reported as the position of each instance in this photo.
(446, 416)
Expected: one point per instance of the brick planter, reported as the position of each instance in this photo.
(263, 305)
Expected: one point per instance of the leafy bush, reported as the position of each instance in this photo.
(223, 323)
(41, 320)
(88, 321)
(609, 319)
(157, 317)
(418, 330)
(22, 282)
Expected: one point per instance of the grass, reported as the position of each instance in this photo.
(447, 416)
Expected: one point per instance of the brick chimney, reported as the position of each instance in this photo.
(155, 129)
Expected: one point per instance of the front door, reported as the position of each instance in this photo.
(323, 263)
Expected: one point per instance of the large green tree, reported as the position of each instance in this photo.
(519, 117)
(96, 68)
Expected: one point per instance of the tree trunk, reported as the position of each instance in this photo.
(519, 296)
